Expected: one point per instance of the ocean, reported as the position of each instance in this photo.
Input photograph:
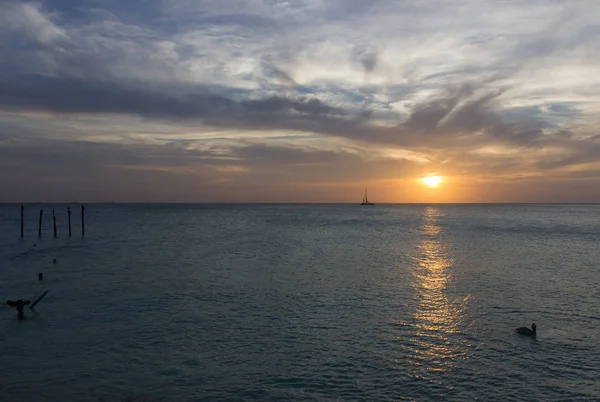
(302, 303)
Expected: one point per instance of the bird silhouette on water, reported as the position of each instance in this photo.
(19, 304)
(526, 331)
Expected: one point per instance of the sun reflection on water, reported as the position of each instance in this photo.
(436, 345)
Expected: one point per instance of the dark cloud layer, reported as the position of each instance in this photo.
(68, 95)
(456, 114)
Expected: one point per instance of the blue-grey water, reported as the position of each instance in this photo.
(302, 302)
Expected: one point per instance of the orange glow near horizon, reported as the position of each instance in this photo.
(432, 181)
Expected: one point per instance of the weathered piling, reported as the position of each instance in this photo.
(54, 222)
(22, 213)
(40, 223)
(82, 221)
(69, 215)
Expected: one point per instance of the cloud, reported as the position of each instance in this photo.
(279, 75)
(30, 21)
(455, 113)
(509, 92)
(73, 96)
(368, 59)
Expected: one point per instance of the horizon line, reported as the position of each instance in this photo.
(283, 203)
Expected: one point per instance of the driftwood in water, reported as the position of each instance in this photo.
(39, 299)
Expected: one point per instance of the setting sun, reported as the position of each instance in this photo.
(432, 181)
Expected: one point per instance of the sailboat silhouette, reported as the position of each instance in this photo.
(366, 200)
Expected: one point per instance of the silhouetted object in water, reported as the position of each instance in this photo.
(54, 261)
(22, 213)
(40, 223)
(39, 299)
(526, 331)
(82, 221)
(40, 276)
(366, 200)
(69, 215)
(54, 222)
(19, 304)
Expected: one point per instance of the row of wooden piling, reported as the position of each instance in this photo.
(53, 221)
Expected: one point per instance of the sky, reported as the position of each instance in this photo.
(299, 100)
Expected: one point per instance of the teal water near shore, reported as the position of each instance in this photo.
(302, 302)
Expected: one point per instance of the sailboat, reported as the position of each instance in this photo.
(366, 200)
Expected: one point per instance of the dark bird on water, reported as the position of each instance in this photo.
(526, 331)
(19, 304)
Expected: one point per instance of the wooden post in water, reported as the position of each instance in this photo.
(82, 222)
(69, 215)
(22, 212)
(54, 222)
(40, 223)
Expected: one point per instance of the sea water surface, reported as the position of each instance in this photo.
(302, 302)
